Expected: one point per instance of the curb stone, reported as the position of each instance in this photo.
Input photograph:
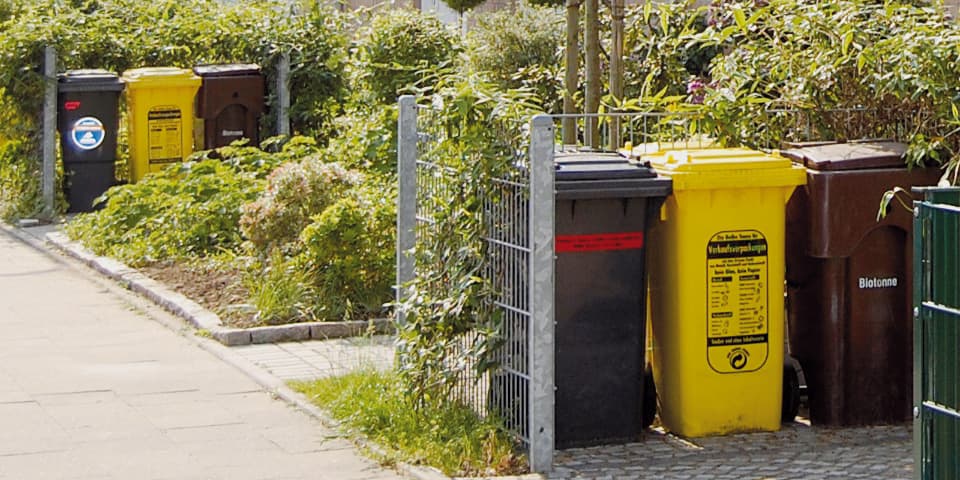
(200, 317)
(265, 379)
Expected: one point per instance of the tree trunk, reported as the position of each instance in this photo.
(616, 69)
(591, 40)
(572, 73)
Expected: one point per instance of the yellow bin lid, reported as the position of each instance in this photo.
(154, 77)
(726, 168)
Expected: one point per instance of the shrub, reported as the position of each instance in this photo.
(894, 62)
(186, 210)
(19, 180)
(396, 47)
(521, 48)
(663, 50)
(366, 140)
(349, 250)
(189, 209)
(294, 193)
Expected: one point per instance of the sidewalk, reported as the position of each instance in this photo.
(93, 386)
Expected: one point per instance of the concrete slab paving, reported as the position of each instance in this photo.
(91, 387)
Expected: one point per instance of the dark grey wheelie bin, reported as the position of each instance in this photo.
(603, 205)
(87, 118)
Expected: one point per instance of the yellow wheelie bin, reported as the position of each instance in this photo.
(160, 115)
(716, 289)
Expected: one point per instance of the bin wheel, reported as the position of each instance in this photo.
(649, 406)
(791, 391)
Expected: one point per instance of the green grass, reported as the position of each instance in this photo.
(447, 436)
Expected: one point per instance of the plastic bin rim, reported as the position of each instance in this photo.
(704, 161)
(159, 73)
(227, 70)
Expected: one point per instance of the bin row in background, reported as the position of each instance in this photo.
(725, 233)
(170, 112)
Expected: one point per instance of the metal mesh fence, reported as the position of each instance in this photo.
(505, 211)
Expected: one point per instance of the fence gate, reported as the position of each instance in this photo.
(518, 219)
(936, 376)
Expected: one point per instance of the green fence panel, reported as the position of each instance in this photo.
(937, 333)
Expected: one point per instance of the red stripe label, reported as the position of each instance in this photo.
(598, 242)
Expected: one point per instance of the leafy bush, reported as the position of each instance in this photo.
(294, 193)
(662, 48)
(349, 251)
(521, 48)
(366, 140)
(19, 181)
(850, 68)
(186, 210)
(396, 46)
(478, 131)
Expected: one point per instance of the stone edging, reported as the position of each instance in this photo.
(200, 317)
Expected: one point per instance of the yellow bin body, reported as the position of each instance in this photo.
(160, 116)
(716, 290)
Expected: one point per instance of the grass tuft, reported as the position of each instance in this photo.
(444, 435)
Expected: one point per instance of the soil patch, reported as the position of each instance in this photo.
(216, 286)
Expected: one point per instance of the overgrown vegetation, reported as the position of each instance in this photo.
(442, 434)
(187, 210)
(121, 34)
(521, 49)
(449, 301)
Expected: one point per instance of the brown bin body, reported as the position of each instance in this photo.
(849, 282)
(230, 102)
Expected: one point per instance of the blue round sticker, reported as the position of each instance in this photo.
(87, 133)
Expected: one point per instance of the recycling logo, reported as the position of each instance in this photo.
(738, 358)
(87, 133)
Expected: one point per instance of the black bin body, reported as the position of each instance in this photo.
(849, 281)
(87, 118)
(603, 204)
(230, 102)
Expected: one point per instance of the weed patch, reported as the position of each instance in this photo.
(440, 433)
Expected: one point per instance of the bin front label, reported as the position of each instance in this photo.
(87, 133)
(165, 126)
(737, 313)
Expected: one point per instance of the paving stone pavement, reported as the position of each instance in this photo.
(316, 359)
(796, 452)
(91, 387)
(89, 392)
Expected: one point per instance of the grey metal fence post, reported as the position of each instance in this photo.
(541, 294)
(49, 133)
(407, 194)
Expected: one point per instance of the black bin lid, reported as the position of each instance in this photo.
(227, 70)
(862, 155)
(606, 176)
(90, 80)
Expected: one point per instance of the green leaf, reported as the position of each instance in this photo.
(847, 40)
(740, 18)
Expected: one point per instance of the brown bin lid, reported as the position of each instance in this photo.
(850, 156)
(227, 70)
